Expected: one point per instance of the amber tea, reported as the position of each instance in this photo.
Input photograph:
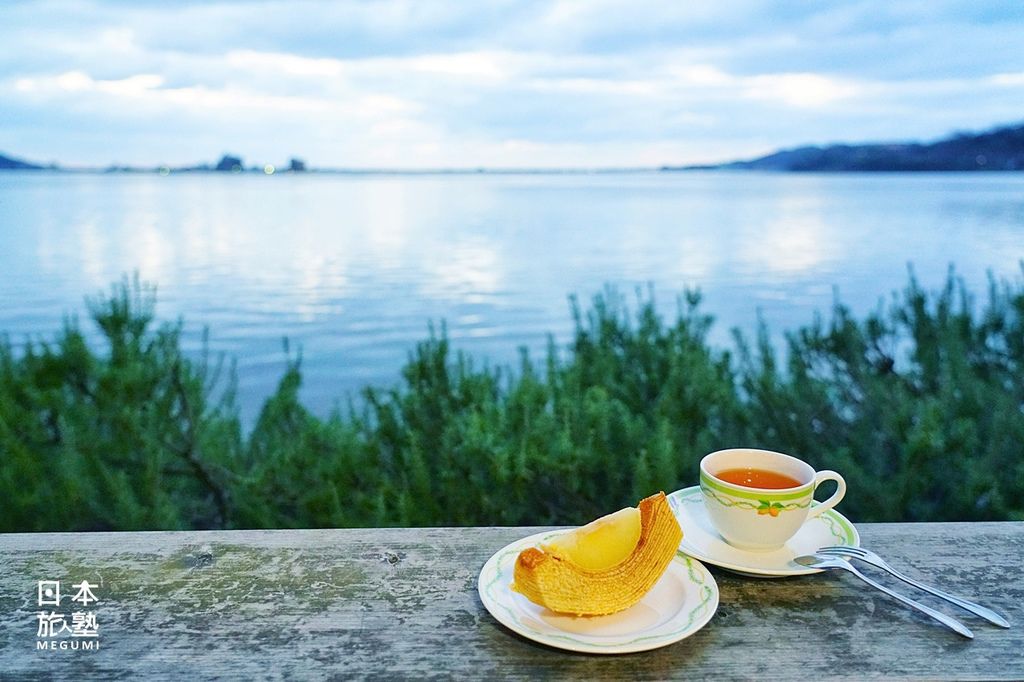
(758, 478)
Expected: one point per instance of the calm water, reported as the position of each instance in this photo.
(352, 268)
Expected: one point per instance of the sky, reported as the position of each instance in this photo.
(495, 83)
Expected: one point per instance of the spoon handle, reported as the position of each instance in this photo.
(948, 621)
(977, 609)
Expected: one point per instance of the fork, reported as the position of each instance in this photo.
(834, 561)
(869, 557)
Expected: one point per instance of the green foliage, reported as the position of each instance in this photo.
(920, 406)
(123, 440)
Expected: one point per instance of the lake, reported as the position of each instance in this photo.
(352, 268)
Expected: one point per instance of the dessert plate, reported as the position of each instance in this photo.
(702, 541)
(679, 604)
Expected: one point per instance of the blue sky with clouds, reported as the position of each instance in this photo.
(497, 83)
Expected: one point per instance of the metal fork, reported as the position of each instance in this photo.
(869, 557)
(831, 561)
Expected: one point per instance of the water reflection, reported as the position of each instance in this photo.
(696, 260)
(352, 268)
(794, 238)
(468, 270)
(385, 222)
(93, 253)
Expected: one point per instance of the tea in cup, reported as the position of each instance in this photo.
(759, 499)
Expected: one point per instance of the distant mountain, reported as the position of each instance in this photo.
(7, 163)
(1000, 149)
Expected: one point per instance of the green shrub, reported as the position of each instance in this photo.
(920, 406)
(126, 439)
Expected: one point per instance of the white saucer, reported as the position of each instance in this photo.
(701, 540)
(679, 604)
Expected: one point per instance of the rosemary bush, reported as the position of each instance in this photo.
(920, 405)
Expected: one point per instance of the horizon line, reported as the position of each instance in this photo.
(272, 169)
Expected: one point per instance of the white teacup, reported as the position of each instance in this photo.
(758, 518)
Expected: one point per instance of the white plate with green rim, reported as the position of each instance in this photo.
(680, 603)
(702, 541)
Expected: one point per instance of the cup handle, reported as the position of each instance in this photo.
(837, 496)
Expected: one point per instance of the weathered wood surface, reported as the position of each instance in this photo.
(402, 603)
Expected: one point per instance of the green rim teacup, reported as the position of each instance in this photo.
(762, 519)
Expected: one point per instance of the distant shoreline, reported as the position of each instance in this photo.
(347, 171)
(684, 170)
(999, 149)
(460, 172)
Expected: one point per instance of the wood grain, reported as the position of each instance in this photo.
(402, 603)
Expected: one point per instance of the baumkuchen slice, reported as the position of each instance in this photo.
(603, 567)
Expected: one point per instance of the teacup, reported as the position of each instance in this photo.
(764, 497)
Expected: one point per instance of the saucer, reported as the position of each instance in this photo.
(680, 603)
(702, 541)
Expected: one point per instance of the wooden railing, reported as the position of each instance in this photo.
(403, 603)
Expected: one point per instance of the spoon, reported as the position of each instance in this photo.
(869, 557)
(823, 562)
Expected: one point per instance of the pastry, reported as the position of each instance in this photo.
(603, 567)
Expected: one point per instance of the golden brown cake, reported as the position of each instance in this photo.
(552, 576)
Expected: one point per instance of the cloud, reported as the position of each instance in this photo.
(501, 83)
(1009, 80)
(78, 82)
(799, 89)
